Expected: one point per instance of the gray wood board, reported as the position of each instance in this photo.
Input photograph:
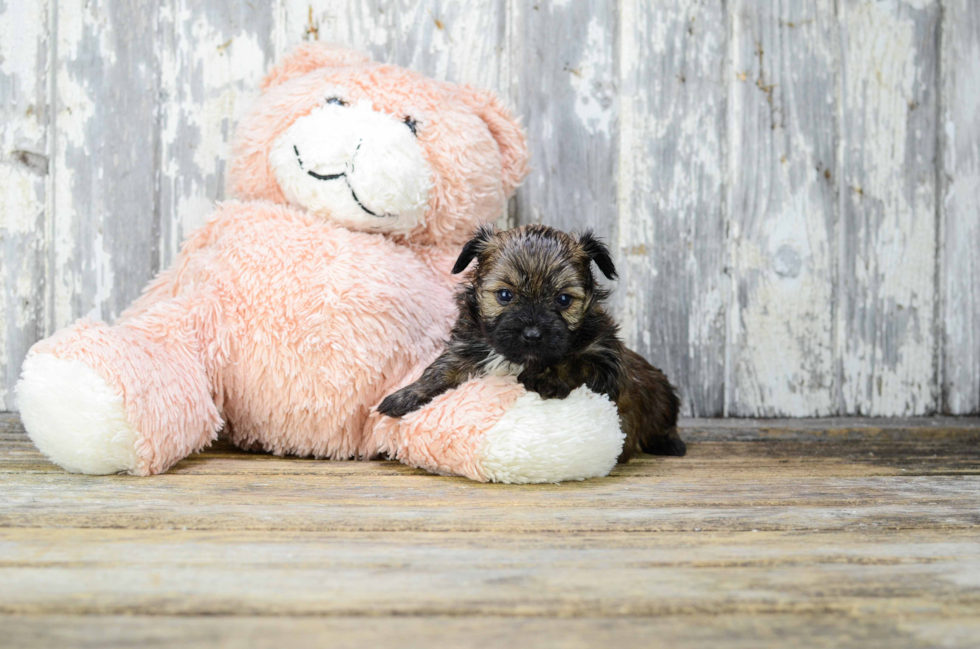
(735, 630)
(960, 205)
(103, 241)
(212, 57)
(845, 532)
(791, 189)
(672, 293)
(568, 96)
(887, 306)
(783, 208)
(24, 175)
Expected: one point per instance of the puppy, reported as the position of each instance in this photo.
(532, 308)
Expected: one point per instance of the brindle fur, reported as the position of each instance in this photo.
(578, 344)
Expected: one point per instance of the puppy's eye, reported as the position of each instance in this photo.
(336, 101)
(412, 125)
(504, 296)
(564, 300)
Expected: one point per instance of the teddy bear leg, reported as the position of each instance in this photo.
(133, 398)
(492, 430)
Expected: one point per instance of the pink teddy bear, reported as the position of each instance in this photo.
(288, 317)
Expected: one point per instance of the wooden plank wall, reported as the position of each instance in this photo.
(791, 188)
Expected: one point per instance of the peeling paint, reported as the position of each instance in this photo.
(209, 78)
(782, 351)
(811, 125)
(18, 206)
(567, 57)
(960, 270)
(669, 299)
(23, 168)
(887, 328)
(101, 267)
(592, 78)
(458, 40)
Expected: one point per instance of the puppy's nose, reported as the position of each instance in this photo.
(532, 333)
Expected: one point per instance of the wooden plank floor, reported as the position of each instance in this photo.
(823, 533)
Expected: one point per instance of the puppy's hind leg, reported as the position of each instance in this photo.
(646, 433)
(649, 407)
(664, 444)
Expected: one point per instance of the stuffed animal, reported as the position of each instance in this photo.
(288, 317)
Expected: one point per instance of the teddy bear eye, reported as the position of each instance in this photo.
(412, 125)
(336, 101)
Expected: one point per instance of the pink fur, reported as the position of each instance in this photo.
(309, 56)
(290, 329)
(445, 437)
(159, 374)
(324, 322)
(476, 148)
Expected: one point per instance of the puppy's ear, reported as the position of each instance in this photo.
(598, 252)
(474, 246)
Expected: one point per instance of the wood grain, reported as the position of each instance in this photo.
(816, 477)
(790, 187)
(783, 209)
(454, 40)
(212, 58)
(738, 631)
(24, 169)
(103, 237)
(960, 207)
(112, 572)
(886, 320)
(673, 291)
(665, 504)
(568, 96)
(844, 532)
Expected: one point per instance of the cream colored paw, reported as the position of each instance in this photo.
(74, 418)
(553, 440)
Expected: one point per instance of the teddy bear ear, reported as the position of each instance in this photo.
(312, 55)
(505, 129)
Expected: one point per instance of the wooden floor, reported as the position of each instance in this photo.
(825, 533)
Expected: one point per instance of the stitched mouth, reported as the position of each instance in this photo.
(342, 174)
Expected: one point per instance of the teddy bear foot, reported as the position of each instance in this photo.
(74, 418)
(553, 440)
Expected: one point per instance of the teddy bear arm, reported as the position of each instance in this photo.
(490, 429)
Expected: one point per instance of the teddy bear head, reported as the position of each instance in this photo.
(378, 148)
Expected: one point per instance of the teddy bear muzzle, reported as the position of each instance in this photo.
(362, 168)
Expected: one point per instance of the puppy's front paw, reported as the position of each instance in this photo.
(401, 403)
(552, 390)
(545, 384)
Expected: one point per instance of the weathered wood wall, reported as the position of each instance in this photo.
(792, 187)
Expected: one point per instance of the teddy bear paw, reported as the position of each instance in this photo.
(74, 417)
(553, 440)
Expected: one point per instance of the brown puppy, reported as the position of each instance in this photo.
(532, 307)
